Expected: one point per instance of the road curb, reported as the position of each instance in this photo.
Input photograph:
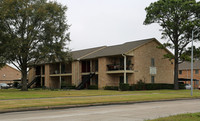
(87, 105)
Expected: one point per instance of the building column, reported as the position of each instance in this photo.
(47, 76)
(124, 68)
(76, 73)
(91, 71)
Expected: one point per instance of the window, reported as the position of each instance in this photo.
(180, 71)
(152, 62)
(196, 71)
(85, 66)
(63, 68)
(152, 79)
(96, 66)
(121, 63)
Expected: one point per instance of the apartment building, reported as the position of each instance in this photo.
(185, 72)
(108, 66)
(8, 74)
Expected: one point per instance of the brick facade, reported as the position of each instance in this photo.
(187, 75)
(8, 74)
(185, 72)
(110, 69)
(143, 56)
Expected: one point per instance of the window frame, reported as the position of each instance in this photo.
(180, 72)
(196, 71)
(152, 62)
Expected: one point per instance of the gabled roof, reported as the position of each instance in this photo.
(82, 53)
(187, 65)
(104, 51)
(118, 49)
(8, 66)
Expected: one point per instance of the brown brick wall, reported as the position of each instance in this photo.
(104, 79)
(187, 74)
(76, 73)
(142, 57)
(8, 74)
(31, 74)
(47, 77)
(55, 82)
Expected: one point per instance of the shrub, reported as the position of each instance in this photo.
(68, 87)
(140, 85)
(93, 87)
(155, 86)
(137, 87)
(111, 88)
(132, 87)
(158, 86)
(124, 87)
(71, 87)
(181, 86)
(15, 84)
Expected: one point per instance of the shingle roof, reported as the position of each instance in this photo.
(81, 53)
(106, 50)
(118, 49)
(187, 65)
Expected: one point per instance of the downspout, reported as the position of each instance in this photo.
(124, 68)
(91, 71)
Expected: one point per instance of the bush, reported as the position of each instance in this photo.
(132, 87)
(111, 88)
(71, 87)
(124, 87)
(93, 87)
(181, 86)
(143, 86)
(15, 84)
(139, 86)
(158, 86)
(68, 87)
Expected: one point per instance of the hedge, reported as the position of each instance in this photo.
(111, 88)
(93, 87)
(143, 86)
(124, 87)
(154, 86)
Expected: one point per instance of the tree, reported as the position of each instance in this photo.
(196, 52)
(31, 31)
(177, 18)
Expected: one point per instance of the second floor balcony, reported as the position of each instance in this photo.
(60, 69)
(112, 67)
(119, 69)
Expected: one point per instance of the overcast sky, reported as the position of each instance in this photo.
(108, 22)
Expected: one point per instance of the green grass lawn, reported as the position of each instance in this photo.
(13, 98)
(181, 117)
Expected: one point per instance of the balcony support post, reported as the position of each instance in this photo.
(78, 67)
(91, 71)
(124, 68)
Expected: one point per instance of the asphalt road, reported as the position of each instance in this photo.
(129, 112)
